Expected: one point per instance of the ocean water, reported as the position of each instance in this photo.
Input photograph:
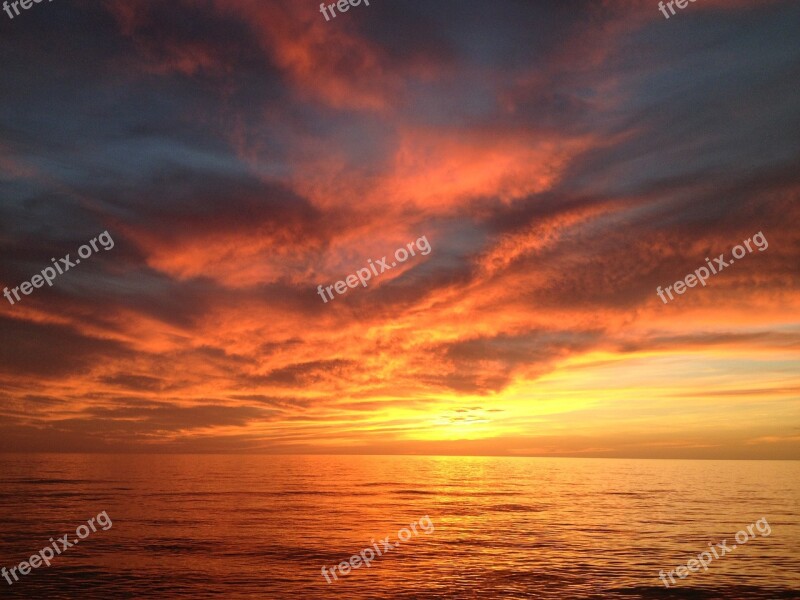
(264, 526)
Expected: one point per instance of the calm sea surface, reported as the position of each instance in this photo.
(263, 527)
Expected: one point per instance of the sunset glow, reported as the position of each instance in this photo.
(242, 153)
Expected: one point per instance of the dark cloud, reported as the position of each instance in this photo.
(51, 351)
(309, 372)
(140, 383)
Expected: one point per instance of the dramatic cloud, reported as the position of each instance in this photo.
(563, 161)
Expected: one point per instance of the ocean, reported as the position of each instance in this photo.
(236, 527)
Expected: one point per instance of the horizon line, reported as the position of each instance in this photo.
(2, 453)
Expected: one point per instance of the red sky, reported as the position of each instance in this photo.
(562, 159)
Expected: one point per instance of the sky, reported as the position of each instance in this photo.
(562, 160)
